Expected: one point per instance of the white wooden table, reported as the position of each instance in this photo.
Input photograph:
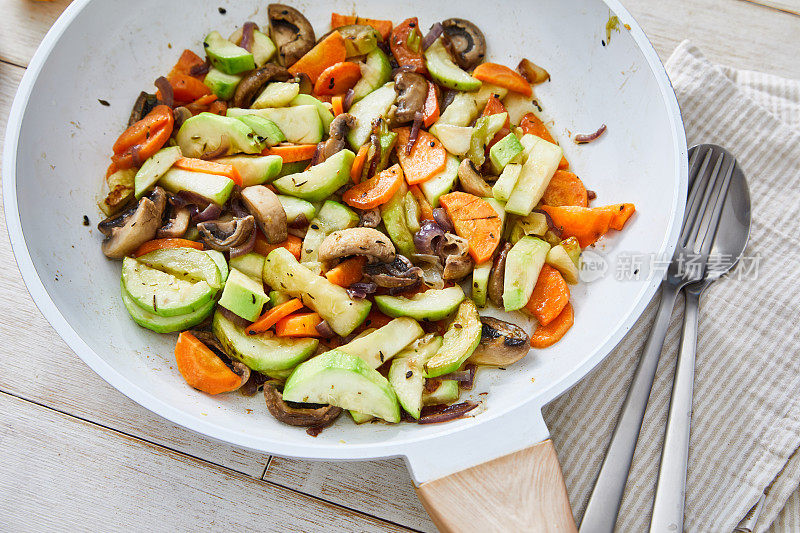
(75, 454)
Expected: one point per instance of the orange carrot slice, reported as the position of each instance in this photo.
(338, 78)
(202, 368)
(326, 53)
(291, 153)
(375, 191)
(565, 188)
(550, 296)
(427, 158)
(384, 27)
(502, 76)
(298, 325)
(271, 317)
(475, 220)
(544, 336)
(347, 272)
(163, 244)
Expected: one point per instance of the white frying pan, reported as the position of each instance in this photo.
(494, 470)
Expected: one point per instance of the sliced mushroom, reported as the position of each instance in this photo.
(224, 235)
(466, 42)
(251, 85)
(454, 253)
(145, 103)
(412, 90)
(471, 181)
(502, 343)
(497, 276)
(432, 270)
(339, 128)
(238, 368)
(268, 211)
(368, 242)
(128, 230)
(370, 218)
(397, 274)
(180, 115)
(457, 267)
(176, 226)
(308, 415)
(291, 32)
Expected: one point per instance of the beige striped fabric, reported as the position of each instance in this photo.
(746, 421)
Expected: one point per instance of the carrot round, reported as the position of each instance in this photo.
(201, 104)
(327, 52)
(375, 191)
(427, 158)
(358, 163)
(347, 272)
(298, 325)
(502, 76)
(209, 167)
(147, 136)
(291, 153)
(475, 220)
(384, 27)
(338, 78)
(162, 244)
(550, 296)
(565, 188)
(292, 243)
(544, 336)
(532, 124)
(271, 317)
(430, 111)
(202, 368)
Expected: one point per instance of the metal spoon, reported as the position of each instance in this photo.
(729, 245)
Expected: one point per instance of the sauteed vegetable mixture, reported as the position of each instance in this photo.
(323, 218)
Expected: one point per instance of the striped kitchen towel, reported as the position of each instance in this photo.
(746, 422)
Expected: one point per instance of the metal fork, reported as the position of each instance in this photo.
(688, 265)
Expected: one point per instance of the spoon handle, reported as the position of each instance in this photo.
(671, 488)
(603, 507)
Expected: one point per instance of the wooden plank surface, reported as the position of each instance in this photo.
(41, 370)
(59, 473)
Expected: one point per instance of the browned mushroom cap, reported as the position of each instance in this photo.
(454, 253)
(471, 181)
(370, 218)
(497, 276)
(222, 235)
(251, 85)
(412, 90)
(303, 415)
(502, 343)
(268, 211)
(291, 32)
(397, 274)
(238, 368)
(339, 128)
(466, 42)
(136, 225)
(367, 242)
(176, 225)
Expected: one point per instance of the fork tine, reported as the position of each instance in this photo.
(710, 224)
(693, 162)
(693, 204)
(703, 208)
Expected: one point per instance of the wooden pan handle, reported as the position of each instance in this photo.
(521, 491)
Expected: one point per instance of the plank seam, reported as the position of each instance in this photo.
(205, 461)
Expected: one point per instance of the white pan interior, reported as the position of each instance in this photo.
(60, 137)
